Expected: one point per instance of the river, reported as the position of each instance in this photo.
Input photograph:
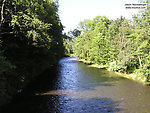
(78, 88)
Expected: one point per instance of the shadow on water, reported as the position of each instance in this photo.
(62, 104)
(27, 99)
(28, 102)
(67, 89)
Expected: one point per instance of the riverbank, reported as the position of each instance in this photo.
(132, 76)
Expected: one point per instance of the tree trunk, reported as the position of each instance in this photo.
(2, 11)
(140, 61)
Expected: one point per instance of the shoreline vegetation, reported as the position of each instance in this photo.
(121, 45)
(131, 76)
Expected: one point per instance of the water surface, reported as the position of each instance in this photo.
(78, 88)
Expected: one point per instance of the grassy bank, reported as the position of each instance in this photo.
(132, 76)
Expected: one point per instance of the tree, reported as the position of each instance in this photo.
(31, 41)
(121, 44)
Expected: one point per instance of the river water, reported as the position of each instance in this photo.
(78, 88)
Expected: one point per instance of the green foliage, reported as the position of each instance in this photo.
(5, 65)
(68, 44)
(31, 41)
(69, 40)
(121, 44)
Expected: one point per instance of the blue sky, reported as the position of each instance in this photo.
(73, 11)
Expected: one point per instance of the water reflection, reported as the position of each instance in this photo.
(78, 88)
(76, 75)
(79, 81)
(103, 105)
(77, 94)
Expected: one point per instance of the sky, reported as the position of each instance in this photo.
(71, 12)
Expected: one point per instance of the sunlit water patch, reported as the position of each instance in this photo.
(78, 88)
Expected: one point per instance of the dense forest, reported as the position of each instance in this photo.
(31, 41)
(121, 45)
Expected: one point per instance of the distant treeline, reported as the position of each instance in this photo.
(122, 45)
(30, 41)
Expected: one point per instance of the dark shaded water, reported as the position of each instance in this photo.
(78, 88)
